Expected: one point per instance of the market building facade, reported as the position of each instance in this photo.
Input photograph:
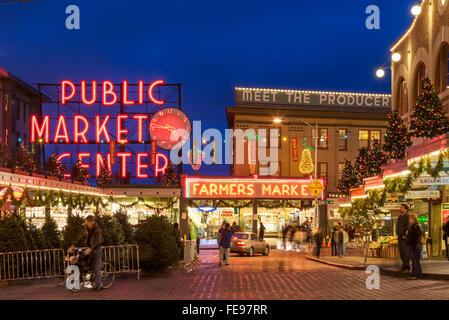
(346, 122)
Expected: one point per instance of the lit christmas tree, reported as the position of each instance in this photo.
(348, 179)
(25, 160)
(306, 163)
(105, 176)
(428, 118)
(79, 173)
(397, 139)
(362, 166)
(377, 157)
(54, 167)
(169, 178)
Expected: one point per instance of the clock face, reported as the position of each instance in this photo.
(164, 127)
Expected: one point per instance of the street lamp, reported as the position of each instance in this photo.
(396, 56)
(380, 73)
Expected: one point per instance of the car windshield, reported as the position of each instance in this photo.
(240, 236)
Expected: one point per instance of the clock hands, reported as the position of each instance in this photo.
(166, 127)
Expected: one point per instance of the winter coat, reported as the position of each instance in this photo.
(414, 236)
(226, 236)
(402, 225)
(90, 238)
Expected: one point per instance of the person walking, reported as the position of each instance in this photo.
(334, 242)
(414, 242)
(91, 237)
(318, 240)
(235, 227)
(225, 244)
(344, 237)
(446, 236)
(402, 227)
(261, 231)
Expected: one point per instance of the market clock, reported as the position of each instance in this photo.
(164, 127)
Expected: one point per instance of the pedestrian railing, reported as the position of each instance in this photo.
(123, 258)
(191, 257)
(31, 264)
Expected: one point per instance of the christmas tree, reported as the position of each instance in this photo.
(73, 229)
(54, 167)
(348, 179)
(13, 236)
(377, 157)
(111, 231)
(105, 176)
(50, 233)
(79, 173)
(169, 178)
(397, 139)
(362, 166)
(428, 118)
(122, 219)
(25, 160)
(306, 163)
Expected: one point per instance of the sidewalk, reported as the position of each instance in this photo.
(432, 269)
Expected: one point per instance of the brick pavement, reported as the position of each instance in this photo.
(282, 275)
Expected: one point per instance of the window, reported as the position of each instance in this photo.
(342, 139)
(402, 97)
(322, 137)
(341, 166)
(18, 106)
(418, 82)
(322, 169)
(366, 137)
(442, 69)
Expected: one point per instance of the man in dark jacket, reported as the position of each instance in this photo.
(402, 227)
(415, 243)
(446, 236)
(225, 244)
(318, 240)
(91, 238)
(261, 231)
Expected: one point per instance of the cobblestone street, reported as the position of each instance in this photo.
(282, 275)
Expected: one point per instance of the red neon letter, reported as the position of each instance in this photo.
(140, 118)
(141, 165)
(157, 167)
(83, 92)
(64, 97)
(125, 94)
(121, 131)
(82, 155)
(101, 128)
(123, 155)
(150, 92)
(42, 131)
(81, 134)
(140, 91)
(62, 156)
(100, 162)
(108, 89)
(61, 124)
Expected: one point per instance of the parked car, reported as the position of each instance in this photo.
(247, 242)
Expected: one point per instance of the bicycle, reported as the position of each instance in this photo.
(87, 275)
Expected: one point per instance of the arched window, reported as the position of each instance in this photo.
(402, 97)
(442, 70)
(420, 74)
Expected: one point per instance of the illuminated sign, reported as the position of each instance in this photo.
(108, 94)
(312, 98)
(248, 188)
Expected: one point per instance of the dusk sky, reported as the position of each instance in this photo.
(213, 46)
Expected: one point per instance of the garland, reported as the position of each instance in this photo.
(52, 198)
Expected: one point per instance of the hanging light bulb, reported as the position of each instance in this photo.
(396, 56)
(380, 73)
(416, 9)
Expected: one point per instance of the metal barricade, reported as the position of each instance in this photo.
(124, 258)
(191, 257)
(32, 264)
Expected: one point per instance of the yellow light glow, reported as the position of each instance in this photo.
(416, 9)
(396, 56)
(277, 120)
(380, 73)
